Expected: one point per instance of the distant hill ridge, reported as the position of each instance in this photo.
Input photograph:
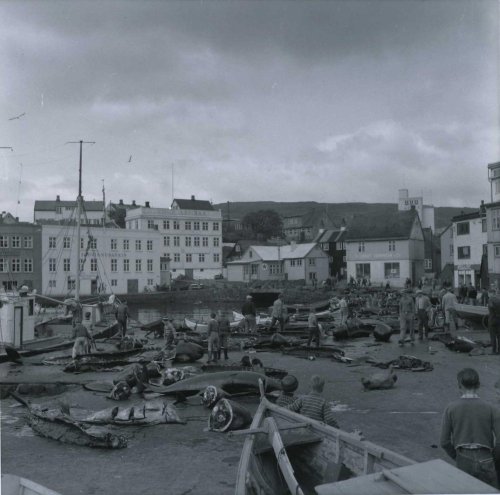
(336, 211)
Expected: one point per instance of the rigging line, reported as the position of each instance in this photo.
(38, 151)
(19, 188)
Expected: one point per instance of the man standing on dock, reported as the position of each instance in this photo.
(470, 429)
(494, 321)
(122, 316)
(423, 304)
(406, 316)
(82, 338)
(448, 304)
(278, 313)
(213, 339)
(250, 314)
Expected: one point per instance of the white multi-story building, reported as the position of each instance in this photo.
(190, 235)
(469, 244)
(93, 211)
(113, 260)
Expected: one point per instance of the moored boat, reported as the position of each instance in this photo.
(200, 327)
(285, 452)
(16, 485)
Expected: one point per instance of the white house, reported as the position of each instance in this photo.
(290, 262)
(389, 248)
(66, 210)
(190, 235)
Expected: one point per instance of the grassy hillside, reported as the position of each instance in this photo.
(337, 211)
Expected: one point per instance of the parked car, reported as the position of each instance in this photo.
(196, 286)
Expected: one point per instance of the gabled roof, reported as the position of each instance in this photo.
(50, 205)
(467, 216)
(397, 225)
(312, 217)
(290, 251)
(330, 235)
(193, 204)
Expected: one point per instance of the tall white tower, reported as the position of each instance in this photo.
(425, 212)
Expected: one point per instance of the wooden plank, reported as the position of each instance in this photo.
(436, 476)
(282, 457)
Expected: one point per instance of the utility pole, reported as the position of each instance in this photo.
(79, 205)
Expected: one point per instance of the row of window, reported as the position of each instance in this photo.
(190, 241)
(16, 241)
(16, 265)
(189, 257)
(176, 225)
(391, 246)
(71, 283)
(92, 243)
(66, 263)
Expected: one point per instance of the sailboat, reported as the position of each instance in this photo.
(22, 333)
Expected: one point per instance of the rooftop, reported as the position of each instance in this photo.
(397, 225)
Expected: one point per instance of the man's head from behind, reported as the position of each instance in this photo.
(468, 379)
(317, 383)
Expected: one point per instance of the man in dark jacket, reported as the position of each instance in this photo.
(494, 321)
(122, 316)
(470, 429)
(250, 314)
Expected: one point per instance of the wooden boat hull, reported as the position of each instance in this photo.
(478, 314)
(318, 454)
(15, 485)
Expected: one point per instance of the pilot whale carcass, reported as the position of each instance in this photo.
(59, 425)
(228, 415)
(147, 413)
(230, 382)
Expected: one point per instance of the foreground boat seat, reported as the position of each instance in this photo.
(290, 439)
(436, 476)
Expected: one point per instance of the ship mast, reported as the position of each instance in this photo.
(79, 207)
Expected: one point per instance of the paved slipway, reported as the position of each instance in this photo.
(187, 459)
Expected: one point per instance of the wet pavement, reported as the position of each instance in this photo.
(188, 459)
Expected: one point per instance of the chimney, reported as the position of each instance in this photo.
(133, 202)
(120, 202)
(343, 225)
(58, 198)
(293, 245)
(147, 204)
(192, 197)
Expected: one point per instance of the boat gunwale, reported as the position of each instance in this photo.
(368, 448)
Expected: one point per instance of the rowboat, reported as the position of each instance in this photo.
(474, 313)
(15, 485)
(198, 327)
(285, 452)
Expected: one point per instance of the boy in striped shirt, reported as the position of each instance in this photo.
(313, 405)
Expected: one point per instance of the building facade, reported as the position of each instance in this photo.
(389, 249)
(20, 254)
(470, 243)
(58, 210)
(332, 242)
(112, 260)
(190, 235)
(289, 262)
(425, 212)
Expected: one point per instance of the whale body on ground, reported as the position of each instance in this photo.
(187, 352)
(147, 413)
(228, 415)
(380, 380)
(231, 382)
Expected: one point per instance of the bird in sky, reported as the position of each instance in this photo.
(130, 159)
(18, 116)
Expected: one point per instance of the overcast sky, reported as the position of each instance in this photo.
(328, 101)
